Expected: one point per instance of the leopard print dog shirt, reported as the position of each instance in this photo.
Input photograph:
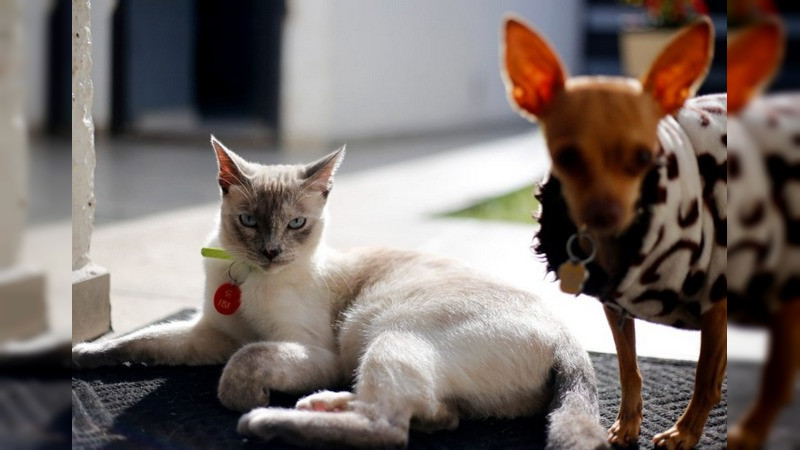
(674, 255)
(764, 173)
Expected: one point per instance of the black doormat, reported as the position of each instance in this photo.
(177, 408)
(745, 377)
(34, 408)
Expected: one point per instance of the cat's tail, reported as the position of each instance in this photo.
(574, 418)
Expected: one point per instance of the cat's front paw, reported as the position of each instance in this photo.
(89, 355)
(243, 384)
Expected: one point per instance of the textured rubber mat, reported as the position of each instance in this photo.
(176, 407)
(34, 409)
(745, 381)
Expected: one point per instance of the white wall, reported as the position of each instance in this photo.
(306, 71)
(355, 69)
(35, 16)
(13, 152)
(102, 16)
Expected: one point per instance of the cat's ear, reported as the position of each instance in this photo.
(319, 174)
(230, 164)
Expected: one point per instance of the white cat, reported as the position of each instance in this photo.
(419, 337)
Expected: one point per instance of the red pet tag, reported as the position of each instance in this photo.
(227, 298)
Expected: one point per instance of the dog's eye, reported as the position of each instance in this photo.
(642, 160)
(569, 159)
(644, 157)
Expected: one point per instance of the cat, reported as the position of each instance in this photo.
(420, 337)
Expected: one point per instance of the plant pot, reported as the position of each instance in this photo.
(639, 48)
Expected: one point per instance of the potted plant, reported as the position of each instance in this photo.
(743, 12)
(644, 34)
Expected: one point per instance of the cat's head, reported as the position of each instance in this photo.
(272, 216)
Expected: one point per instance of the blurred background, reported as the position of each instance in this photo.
(294, 78)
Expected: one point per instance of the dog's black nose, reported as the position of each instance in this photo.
(603, 214)
(272, 252)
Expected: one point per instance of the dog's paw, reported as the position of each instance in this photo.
(677, 438)
(741, 439)
(625, 432)
(326, 401)
(89, 355)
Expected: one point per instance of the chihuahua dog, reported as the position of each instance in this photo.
(635, 211)
(764, 194)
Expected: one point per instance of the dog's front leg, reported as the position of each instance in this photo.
(777, 381)
(625, 430)
(711, 367)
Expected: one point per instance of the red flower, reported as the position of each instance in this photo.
(766, 6)
(700, 6)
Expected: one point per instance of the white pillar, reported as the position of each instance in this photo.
(91, 309)
(22, 307)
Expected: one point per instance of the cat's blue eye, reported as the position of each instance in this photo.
(247, 220)
(297, 223)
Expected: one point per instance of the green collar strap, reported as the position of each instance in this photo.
(216, 253)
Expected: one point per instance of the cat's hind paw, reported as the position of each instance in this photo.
(326, 401)
(256, 423)
(317, 428)
(89, 355)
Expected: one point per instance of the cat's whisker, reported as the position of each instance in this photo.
(242, 184)
(298, 198)
(245, 192)
(241, 254)
(327, 286)
(338, 272)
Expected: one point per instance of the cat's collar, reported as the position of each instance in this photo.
(227, 297)
(216, 253)
(235, 276)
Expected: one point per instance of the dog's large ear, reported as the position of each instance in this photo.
(681, 66)
(754, 57)
(532, 72)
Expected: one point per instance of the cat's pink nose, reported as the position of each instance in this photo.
(272, 252)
